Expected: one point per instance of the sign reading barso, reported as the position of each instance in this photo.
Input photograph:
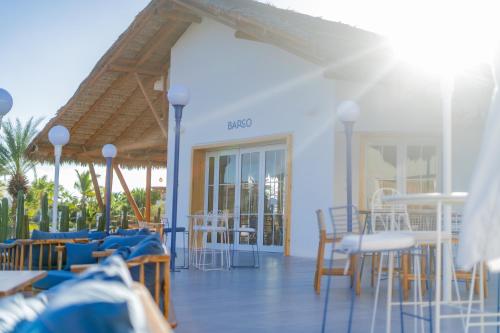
(240, 123)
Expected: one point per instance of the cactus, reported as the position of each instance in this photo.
(157, 216)
(124, 218)
(4, 218)
(45, 220)
(4, 227)
(102, 223)
(64, 224)
(22, 230)
(102, 220)
(81, 222)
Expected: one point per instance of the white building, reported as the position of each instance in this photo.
(260, 138)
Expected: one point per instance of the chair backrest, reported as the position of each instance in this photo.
(388, 215)
(320, 217)
(339, 219)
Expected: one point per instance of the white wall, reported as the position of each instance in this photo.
(233, 79)
(398, 111)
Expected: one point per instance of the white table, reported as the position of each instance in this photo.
(12, 282)
(442, 236)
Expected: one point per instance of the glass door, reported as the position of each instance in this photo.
(221, 185)
(249, 184)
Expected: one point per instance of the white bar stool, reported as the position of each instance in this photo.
(387, 243)
(246, 231)
(204, 253)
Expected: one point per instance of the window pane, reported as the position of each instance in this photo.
(274, 197)
(249, 195)
(421, 169)
(381, 169)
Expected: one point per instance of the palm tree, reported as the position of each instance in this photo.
(83, 185)
(13, 161)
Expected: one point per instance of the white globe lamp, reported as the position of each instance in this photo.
(178, 95)
(348, 112)
(6, 102)
(109, 152)
(58, 136)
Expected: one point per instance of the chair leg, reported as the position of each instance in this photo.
(374, 268)
(377, 292)
(319, 266)
(405, 272)
(390, 272)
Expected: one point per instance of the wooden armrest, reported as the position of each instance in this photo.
(165, 258)
(103, 254)
(24, 241)
(156, 321)
(81, 268)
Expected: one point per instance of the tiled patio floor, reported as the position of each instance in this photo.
(277, 297)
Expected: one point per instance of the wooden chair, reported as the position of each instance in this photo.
(7, 256)
(324, 239)
(160, 262)
(24, 249)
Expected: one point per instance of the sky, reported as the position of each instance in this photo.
(47, 48)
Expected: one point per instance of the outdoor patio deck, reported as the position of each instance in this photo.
(277, 297)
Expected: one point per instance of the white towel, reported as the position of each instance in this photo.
(480, 232)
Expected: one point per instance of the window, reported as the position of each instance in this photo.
(406, 165)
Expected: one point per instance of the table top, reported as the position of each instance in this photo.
(14, 281)
(453, 198)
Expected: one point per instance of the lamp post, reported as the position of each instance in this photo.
(5, 103)
(348, 113)
(178, 96)
(109, 152)
(58, 136)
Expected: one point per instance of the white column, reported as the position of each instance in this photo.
(57, 154)
(447, 85)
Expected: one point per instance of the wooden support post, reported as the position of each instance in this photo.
(148, 193)
(151, 106)
(130, 198)
(97, 190)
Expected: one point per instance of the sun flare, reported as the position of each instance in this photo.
(446, 37)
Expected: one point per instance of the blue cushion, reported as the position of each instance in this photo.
(77, 254)
(150, 246)
(114, 242)
(102, 292)
(132, 232)
(106, 317)
(37, 234)
(16, 310)
(52, 279)
(97, 235)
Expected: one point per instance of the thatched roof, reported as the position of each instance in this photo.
(110, 105)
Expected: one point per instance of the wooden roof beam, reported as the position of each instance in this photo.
(151, 106)
(117, 113)
(133, 123)
(119, 81)
(243, 35)
(154, 43)
(175, 12)
(134, 69)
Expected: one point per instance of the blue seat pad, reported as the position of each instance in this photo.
(52, 279)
